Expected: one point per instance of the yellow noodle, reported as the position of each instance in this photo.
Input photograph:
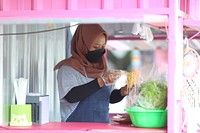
(131, 80)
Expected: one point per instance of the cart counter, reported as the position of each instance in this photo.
(80, 127)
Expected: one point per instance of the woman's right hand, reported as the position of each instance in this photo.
(111, 76)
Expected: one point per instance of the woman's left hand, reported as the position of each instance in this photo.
(124, 91)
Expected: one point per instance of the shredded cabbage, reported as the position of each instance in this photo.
(152, 95)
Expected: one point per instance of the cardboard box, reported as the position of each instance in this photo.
(40, 108)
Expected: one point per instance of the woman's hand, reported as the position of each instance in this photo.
(111, 76)
(100, 81)
(125, 91)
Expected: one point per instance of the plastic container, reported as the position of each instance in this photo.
(141, 117)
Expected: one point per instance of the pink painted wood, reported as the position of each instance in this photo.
(5, 5)
(153, 3)
(72, 5)
(61, 5)
(78, 4)
(195, 9)
(89, 4)
(175, 68)
(125, 4)
(37, 5)
(116, 15)
(185, 5)
(107, 4)
(75, 127)
(8, 5)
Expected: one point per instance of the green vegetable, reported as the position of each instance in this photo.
(152, 95)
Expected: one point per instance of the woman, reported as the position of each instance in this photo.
(85, 85)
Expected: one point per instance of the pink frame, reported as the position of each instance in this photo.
(147, 11)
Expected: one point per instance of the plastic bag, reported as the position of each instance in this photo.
(151, 91)
(153, 72)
